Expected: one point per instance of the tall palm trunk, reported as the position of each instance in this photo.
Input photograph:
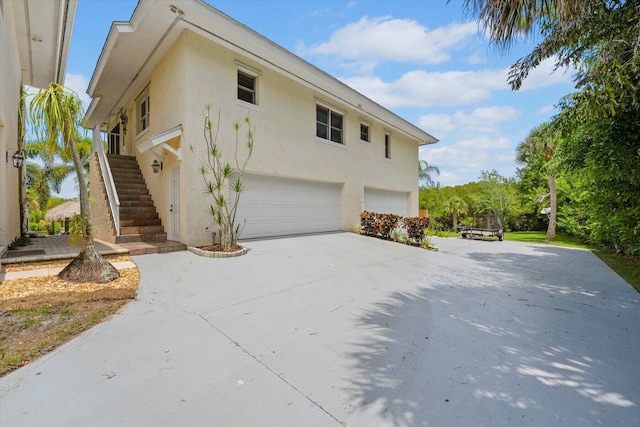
(22, 184)
(89, 265)
(57, 113)
(551, 229)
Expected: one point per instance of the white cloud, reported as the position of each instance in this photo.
(428, 89)
(78, 83)
(476, 58)
(483, 143)
(401, 40)
(545, 110)
(544, 75)
(483, 119)
(462, 161)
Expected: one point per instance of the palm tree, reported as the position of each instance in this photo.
(541, 143)
(424, 173)
(574, 33)
(455, 206)
(57, 113)
(45, 176)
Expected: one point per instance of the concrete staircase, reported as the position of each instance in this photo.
(141, 230)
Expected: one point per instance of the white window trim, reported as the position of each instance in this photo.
(344, 124)
(144, 94)
(365, 123)
(240, 67)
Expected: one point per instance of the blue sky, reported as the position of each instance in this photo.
(422, 59)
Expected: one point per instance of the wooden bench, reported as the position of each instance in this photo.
(471, 232)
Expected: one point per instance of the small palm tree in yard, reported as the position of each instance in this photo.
(56, 115)
(455, 207)
(222, 178)
(542, 143)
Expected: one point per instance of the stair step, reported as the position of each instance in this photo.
(139, 222)
(129, 191)
(136, 203)
(133, 179)
(143, 248)
(134, 197)
(135, 210)
(129, 238)
(142, 229)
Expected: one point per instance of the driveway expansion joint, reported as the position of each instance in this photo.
(281, 376)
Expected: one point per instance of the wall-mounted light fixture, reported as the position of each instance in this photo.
(17, 159)
(123, 121)
(156, 166)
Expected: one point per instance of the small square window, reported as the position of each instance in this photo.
(329, 124)
(246, 88)
(364, 132)
(387, 146)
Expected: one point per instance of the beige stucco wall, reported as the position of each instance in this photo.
(10, 79)
(197, 71)
(101, 219)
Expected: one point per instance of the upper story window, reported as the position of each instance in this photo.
(144, 109)
(387, 146)
(329, 124)
(247, 87)
(364, 132)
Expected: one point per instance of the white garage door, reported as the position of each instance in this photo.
(385, 201)
(278, 207)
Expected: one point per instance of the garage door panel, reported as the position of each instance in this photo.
(386, 201)
(279, 206)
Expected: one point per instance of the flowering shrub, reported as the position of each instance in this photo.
(383, 225)
(378, 225)
(368, 223)
(415, 228)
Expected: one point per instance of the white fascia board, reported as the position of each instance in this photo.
(161, 140)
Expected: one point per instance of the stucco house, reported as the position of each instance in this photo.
(35, 37)
(323, 152)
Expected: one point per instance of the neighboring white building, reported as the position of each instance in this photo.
(34, 46)
(323, 151)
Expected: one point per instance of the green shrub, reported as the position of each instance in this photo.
(19, 241)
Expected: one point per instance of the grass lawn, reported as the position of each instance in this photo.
(627, 268)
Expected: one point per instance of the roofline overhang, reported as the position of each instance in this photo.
(43, 31)
(262, 50)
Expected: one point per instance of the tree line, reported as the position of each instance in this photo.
(583, 165)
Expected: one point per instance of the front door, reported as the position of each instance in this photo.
(174, 207)
(114, 140)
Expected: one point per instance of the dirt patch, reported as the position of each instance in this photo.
(37, 314)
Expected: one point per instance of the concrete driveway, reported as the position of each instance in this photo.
(342, 329)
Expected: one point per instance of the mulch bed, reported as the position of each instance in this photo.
(25, 293)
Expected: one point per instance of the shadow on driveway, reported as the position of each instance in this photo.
(541, 336)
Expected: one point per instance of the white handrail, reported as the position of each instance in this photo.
(107, 178)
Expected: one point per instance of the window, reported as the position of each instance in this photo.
(364, 132)
(387, 146)
(329, 124)
(144, 108)
(247, 87)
